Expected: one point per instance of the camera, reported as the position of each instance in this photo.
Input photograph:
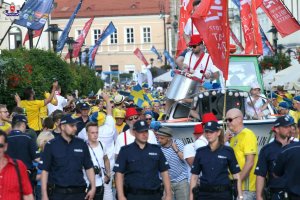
(97, 171)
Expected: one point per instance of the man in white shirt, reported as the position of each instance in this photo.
(61, 102)
(99, 158)
(107, 135)
(128, 137)
(198, 63)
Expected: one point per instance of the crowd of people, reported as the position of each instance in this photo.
(108, 147)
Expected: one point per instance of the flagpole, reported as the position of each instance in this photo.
(39, 37)
(2, 39)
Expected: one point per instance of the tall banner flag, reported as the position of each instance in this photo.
(169, 59)
(62, 40)
(236, 40)
(267, 47)
(211, 20)
(154, 50)
(186, 7)
(281, 17)
(93, 50)
(80, 40)
(34, 14)
(36, 33)
(141, 56)
(252, 37)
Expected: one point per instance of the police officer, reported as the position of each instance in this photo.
(213, 161)
(288, 165)
(62, 162)
(22, 147)
(266, 162)
(137, 168)
(84, 118)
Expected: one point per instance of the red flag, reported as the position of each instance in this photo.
(236, 40)
(281, 17)
(36, 33)
(253, 42)
(185, 13)
(80, 40)
(140, 55)
(211, 20)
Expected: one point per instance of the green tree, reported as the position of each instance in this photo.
(37, 68)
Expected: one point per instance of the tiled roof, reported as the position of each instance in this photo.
(106, 8)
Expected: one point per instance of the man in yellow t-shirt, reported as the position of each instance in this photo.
(32, 107)
(244, 144)
(295, 113)
(4, 118)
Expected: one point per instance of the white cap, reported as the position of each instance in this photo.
(255, 85)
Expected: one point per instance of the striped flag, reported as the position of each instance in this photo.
(62, 40)
(93, 50)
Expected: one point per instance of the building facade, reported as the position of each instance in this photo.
(138, 24)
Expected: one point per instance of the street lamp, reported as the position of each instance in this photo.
(163, 16)
(86, 51)
(70, 41)
(53, 29)
(274, 32)
(280, 47)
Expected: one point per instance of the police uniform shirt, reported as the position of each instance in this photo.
(214, 165)
(64, 161)
(22, 147)
(266, 162)
(287, 164)
(81, 124)
(141, 166)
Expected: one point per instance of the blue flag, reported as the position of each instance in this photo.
(154, 50)
(62, 40)
(93, 50)
(267, 47)
(34, 14)
(237, 3)
(170, 59)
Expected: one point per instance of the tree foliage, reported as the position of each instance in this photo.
(37, 68)
(278, 62)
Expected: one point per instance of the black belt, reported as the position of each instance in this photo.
(142, 191)
(214, 188)
(276, 190)
(69, 190)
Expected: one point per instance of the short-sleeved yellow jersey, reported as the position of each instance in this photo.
(243, 144)
(32, 110)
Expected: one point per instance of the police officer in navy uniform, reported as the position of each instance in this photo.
(213, 161)
(21, 146)
(84, 118)
(287, 164)
(62, 162)
(266, 162)
(137, 168)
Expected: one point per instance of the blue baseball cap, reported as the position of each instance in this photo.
(85, 106)
(297, 98)
(19, 118)
(68, 119)
(284, 105)
(284, 121)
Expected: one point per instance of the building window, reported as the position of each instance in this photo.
(15, 37)
(78, 32)
(114, 37)
(146, 35)
(97, 33)
(129, 36)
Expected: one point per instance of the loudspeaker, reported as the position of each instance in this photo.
(215, 103)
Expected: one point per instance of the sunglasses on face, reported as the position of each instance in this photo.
(193, 46)
(229, 120)
(148, 119)
(132, 118)
(1, 145)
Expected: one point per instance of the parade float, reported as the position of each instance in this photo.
(243, 71)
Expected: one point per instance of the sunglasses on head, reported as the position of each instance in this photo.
(1, 145)
(230, 119)
(131, 118)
